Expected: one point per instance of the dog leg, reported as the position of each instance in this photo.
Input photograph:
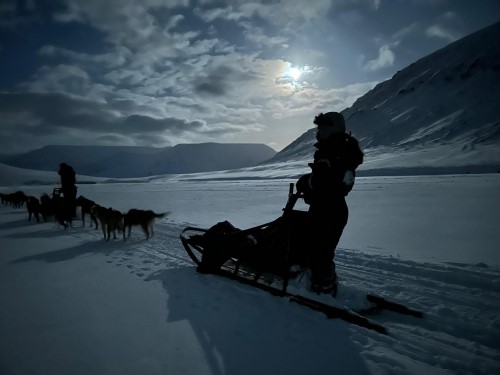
(103, 230)
(145, 230)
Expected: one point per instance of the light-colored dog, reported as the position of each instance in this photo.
(110, 220)
(143, 218)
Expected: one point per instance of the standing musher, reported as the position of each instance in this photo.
(68, 186)
(332, 176)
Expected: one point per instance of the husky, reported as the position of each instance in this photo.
(144, 219)
(86, 205)
(34, 208)
(110, 220)
(62, 211)
(16, 199)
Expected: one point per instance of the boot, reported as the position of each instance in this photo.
(326, 283)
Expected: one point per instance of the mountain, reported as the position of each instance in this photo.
(440, 113)
(13, 176)
(130, 162)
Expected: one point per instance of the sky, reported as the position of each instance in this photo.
(159, 73)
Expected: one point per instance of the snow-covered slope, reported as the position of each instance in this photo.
(129, 162)
(13, 176)
(440, 112)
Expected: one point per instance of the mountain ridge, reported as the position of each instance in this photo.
(446, 100)
(132, 162)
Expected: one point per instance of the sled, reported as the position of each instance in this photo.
(57, 192)
(266, 251)
(268, 256)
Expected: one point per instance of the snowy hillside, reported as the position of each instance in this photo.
(440, 112)
(129, 162)
(12, 176)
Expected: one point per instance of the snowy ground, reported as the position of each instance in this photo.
(72, 303)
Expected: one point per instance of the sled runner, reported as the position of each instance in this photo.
(270, 256)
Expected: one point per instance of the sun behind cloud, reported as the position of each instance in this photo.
(295, 77)
(291, 75)
(295, 73)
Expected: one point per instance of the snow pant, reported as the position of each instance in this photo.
(69, 195)
(327, 221)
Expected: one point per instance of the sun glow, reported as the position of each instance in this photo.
(295, 73)
(295, 77)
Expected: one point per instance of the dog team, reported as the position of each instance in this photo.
(111, 220)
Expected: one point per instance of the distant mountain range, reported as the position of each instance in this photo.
(130, 162)
(441, 112)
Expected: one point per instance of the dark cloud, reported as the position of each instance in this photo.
(54, 110)
(144, 124)
(36, 116)
(221, 79)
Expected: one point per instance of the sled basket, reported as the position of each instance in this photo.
(265, 250)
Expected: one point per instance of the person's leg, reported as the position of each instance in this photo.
(73, 200)
(327, 225)
(69, 195)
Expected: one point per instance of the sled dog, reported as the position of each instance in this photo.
(144, 219)
(63, 213)
(110, 220)
(86, 204)
(33, 206)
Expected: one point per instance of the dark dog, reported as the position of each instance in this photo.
(110, 220)
(54, 207)
(34, 208)
(58, 208)
(63, 212)
(16, 199)
(4, 198)
(46, 206)
(142, 218)
(86, 205)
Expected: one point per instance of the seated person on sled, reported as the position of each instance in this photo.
(325, 188)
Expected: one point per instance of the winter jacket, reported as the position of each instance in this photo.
(333, 169)
(68, 178)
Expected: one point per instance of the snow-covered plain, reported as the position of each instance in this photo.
(72, 303)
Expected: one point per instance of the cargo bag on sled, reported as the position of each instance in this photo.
(269, 248)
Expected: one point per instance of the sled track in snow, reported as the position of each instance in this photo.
(142, 257)
(431, 280)
(443, 292)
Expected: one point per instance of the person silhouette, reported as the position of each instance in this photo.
(332, 175)
(68, 186)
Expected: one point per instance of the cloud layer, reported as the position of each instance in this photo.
(159, 73)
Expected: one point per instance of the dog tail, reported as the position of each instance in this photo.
(158, 216)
